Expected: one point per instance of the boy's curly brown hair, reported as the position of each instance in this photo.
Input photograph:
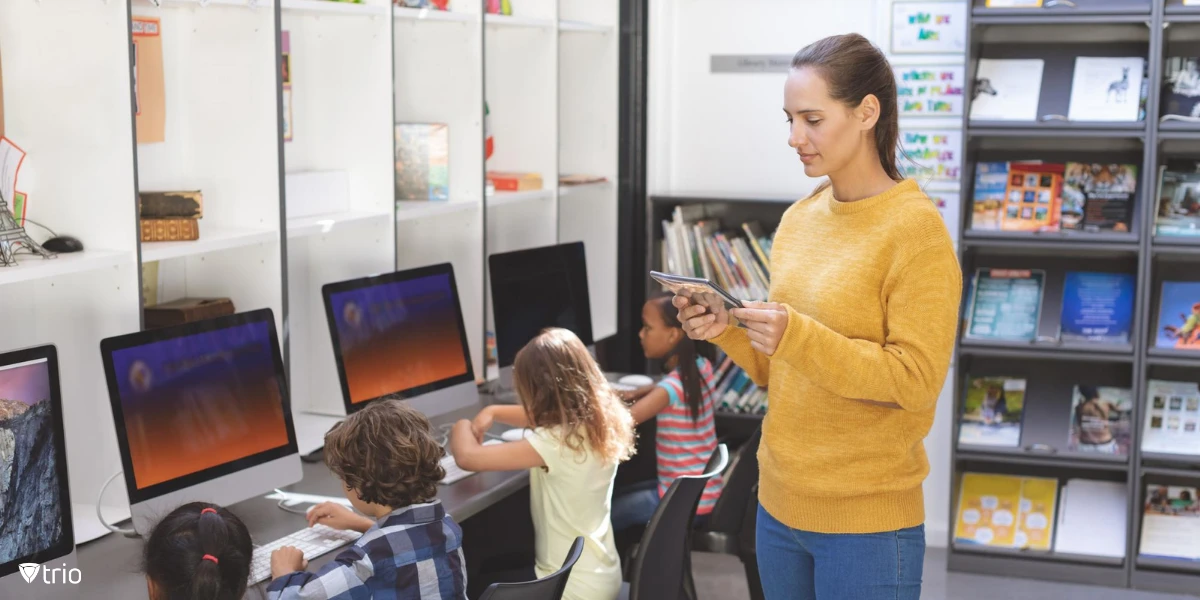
(387, 454)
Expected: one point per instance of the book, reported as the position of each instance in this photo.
(1007, 89)
(1035, 526)
(1181, 88)
(1171, 522)
(992, 411)
(1006, 511)
(20, 206)
(1106, 88)
(1091, 518)
(1097, 307)
(170, 230)
(1100, 419)
(1098, 197)
(1033, 197)
(991, 183)
(1172, 422)
(505, 181)
(422, 161)
(580, 179)
(1178, 199)
(694, 246)
(1006, 304)
(759, 242)
(1179, 316)
(171, 205)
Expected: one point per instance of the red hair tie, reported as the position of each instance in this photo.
(209, 510)
(211, 557)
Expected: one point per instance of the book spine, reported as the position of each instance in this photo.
(170, 230)
(764, 262)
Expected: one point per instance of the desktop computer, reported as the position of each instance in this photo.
(201, 412)
(534, 289)
(401, 334)
(37, 542)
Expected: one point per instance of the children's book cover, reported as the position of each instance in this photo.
(988, 507)
(1179, 316)
(1100, 420)
(992, 411)
(1179, 200)
(1098, 197)
(991, 181)
(1033, 197)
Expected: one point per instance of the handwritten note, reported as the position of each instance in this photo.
(929, 27)
(930, 91)
(931, 154)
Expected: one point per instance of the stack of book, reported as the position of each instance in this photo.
(170, 216)
(738, 261)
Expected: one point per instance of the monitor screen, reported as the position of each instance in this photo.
(35, 513)
(198, 401)
(400, 333)
(535, 289)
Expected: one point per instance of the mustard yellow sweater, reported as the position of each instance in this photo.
(872, 290)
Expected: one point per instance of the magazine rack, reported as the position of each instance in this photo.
(1098, 28)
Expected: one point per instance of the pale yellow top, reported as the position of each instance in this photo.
(572, 497)
(872, 289)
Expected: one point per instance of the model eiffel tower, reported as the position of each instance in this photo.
(13, 238)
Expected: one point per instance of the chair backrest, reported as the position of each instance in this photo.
(659, 568)
(727, 513)
(549, 587)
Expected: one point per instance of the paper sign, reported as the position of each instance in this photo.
(929, 27)
(931, 155)
(930, 91)
(149, 95)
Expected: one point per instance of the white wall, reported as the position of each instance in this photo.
(725, 135)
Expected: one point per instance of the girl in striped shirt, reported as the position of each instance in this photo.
(683, 404)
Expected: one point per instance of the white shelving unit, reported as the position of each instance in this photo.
(548, 75)
(79, 174)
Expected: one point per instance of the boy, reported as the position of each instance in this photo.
(387, 459)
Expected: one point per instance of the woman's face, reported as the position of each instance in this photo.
(824, 132)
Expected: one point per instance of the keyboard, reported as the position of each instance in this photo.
(454, 472)
(312, 541)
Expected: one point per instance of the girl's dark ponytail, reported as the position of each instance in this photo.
(199, 552)
(685, 355)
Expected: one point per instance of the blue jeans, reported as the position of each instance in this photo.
(801, 565)
(634, 504)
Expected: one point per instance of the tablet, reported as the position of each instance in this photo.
(690, 286)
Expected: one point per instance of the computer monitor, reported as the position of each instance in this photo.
(35, 501)
(202, 413)
(535, 289)
(401, 333)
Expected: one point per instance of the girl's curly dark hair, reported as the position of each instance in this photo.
(387, 454)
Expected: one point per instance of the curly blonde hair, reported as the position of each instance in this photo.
(387, 454)
(561, 386)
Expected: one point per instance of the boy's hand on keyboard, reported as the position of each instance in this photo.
(336, 516)
(287, 559)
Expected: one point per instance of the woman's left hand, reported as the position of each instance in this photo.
(765, 323)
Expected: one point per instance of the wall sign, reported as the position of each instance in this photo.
(929, 155)
(930, 90)
(929, 27)
(750, 63)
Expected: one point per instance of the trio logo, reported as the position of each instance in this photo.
(30, 572)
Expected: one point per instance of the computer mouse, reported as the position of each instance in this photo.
(63, 244)
(515, 435)
(636, 380)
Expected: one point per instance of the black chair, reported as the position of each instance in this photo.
(549, 587)
(733, 518)
(661, 564)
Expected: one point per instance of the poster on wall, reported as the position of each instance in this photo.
(929, 27)
(149, 94)
(930, 90)
(931, 155)
(948, 204)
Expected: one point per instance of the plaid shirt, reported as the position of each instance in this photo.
(414, 553)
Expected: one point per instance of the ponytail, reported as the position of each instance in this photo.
(685, 353)
(199, 552)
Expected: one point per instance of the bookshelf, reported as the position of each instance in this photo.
(1153, 29)
(550, 73)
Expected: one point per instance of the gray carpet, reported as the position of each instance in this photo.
(720, 577)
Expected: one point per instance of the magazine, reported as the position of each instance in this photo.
(1099, 197)
(991, 412)
(1100, 420)
(1179, 316)
(1171, 522)
(1179, 199)
(1172, 424)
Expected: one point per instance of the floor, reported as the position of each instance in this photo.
(720, 577)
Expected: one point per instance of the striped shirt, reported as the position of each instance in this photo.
(683, 445)
(413, 553)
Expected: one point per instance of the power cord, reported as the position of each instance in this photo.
(284, 507)
(129, 533)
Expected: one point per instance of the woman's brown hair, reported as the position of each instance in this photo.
(853, 67)
(561, 386)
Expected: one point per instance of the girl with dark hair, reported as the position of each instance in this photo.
(853, 346)
(682, 405)
(198, 552)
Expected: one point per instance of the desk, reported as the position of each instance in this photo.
(111, 565)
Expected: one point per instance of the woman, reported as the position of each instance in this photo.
(854, 344)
